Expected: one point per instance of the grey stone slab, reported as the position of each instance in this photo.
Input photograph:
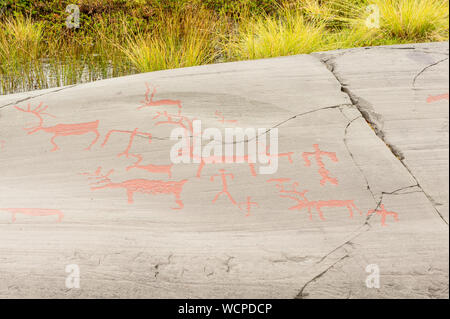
(403, 90)
(213, 249)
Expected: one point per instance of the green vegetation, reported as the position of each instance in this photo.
(120, 37)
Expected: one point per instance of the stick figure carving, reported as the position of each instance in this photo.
(144, 186)
(248, 205)
(322, 170)
(34, 212)
(225, 191)
(60, 129)
(383, 213)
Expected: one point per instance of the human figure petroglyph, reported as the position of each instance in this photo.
(60, 129)
(225, 191)
(247, 206)
(34, 212)
(144, 186)
(322, 170)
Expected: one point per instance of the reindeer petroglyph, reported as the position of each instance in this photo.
(162, 169)
(383, 213)
(303, 202)
(60, 129)
(144, 186)
(34, 212)
(150, 102)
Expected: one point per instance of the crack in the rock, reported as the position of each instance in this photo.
(366, 226)
(39, 95)
(363, 229)
(347, 242)
(424, 69)
(368, 117)
(169, 260)
(300, 295)
(270, 129)
(345, 139)
(395, 192)
(227, 263)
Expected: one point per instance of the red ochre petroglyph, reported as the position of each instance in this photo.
(278, 180)
(225, 159)
(303, 202)
(247, 206)
(225, 191)
(222, 118)
(186, 123)
(2, 145)
(322, 170)
(162, 169)
(144, 186)
(149, 102)
(383, 213)
(180, 120)
(130, 142)
(34, 212)
(435, 98)
(60, 129)
(279, 155)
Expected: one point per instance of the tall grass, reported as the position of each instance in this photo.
(270, 36)
(187, 38)
(414, 19)
(132, 36)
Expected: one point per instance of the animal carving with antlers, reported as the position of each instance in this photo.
(149, 102)
(187, 125)
(144, 186)
(60, 129)
(303, 202)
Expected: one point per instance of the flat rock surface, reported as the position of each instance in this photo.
(86, 181)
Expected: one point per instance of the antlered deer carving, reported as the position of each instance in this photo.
(153, 187)
(60, 129)
(150, 102)
(303, 202)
